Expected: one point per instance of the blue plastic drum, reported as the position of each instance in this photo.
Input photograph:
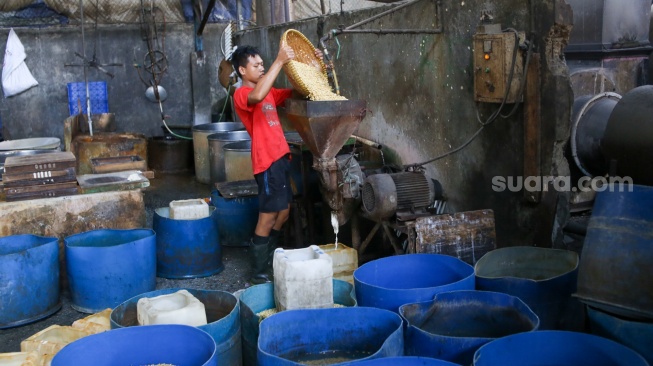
(222, 313)
(390, 282)
(455, 324)
(560, 348)
(187, 248)
(149, 345)
(328, 336)
(107, 266)
(29, 279)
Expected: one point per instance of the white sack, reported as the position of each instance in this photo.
(16, 77)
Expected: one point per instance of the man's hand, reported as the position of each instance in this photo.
(319, 54)
(286, 53)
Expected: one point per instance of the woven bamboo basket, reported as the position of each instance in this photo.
(304, 53)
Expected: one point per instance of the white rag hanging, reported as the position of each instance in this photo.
(16, 77)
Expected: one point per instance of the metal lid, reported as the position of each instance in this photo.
(31, 144)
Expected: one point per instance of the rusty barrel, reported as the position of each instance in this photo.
(614, 273)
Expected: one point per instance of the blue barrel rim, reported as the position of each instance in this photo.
(568, 335)
(396, 319)
(68, 245)
(39, 241)
(489, 255)
(405, 360)
(150, 328)
(42, 240)
(377, 262)
(515, 299)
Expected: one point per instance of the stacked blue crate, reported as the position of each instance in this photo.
(97, 91)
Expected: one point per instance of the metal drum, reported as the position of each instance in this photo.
(167, 154)
(163, 344)
(29, 278)
(187, 248)
(201, 146)
(238, 161)
(217, 141)
(107, 266)
(222, 313)
(614, 273)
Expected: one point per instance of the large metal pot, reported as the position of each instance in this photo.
(217, 143)
(238, 161)
(201, 146)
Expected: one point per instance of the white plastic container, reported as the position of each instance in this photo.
(191, 209)
(95, 323)
(180, 307)
(345, 261)
(303, 279)
(51, 339)
(19, 359)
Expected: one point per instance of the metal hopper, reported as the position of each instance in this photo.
(325, 126)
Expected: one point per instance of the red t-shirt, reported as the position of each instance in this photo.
(262, 122)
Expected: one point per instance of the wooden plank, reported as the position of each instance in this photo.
(464, 235)
(40, 162)
(49, 193)
(117, 164)
(39, 178)
(38, 188)
(532, 127)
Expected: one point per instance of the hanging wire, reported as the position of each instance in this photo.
(497, 112)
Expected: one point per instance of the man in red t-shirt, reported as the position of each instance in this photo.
(256, 103)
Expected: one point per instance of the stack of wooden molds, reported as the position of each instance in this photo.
(40, 176)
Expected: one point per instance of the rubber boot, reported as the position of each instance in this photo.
(272, 245)
(259, 263)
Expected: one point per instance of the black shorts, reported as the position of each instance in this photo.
(274, 190)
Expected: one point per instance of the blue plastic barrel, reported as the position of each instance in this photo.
(237, 218)
(151, 345)
(256, 299)
(555, 347)
(543, 278)
(636, 335)
(106, 267)
(390, 282)
(404, 361)
(29, 279)
(326, 336)
(222, 315)
(187, 248)
(614, 274)
(455, 324)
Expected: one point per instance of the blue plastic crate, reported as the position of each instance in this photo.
(97, 91)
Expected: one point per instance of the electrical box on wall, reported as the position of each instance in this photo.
(493, 55)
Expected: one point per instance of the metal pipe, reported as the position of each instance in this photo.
(380, 15)
(322, 7)
(239, 15)
(206, 16)
(367, 142)
(272, 9)
(286, 10)
(88, 95)
(391, 31)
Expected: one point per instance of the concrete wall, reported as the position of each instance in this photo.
(419, 90)
(40, 111)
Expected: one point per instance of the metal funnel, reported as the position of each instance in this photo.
(325, 126)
